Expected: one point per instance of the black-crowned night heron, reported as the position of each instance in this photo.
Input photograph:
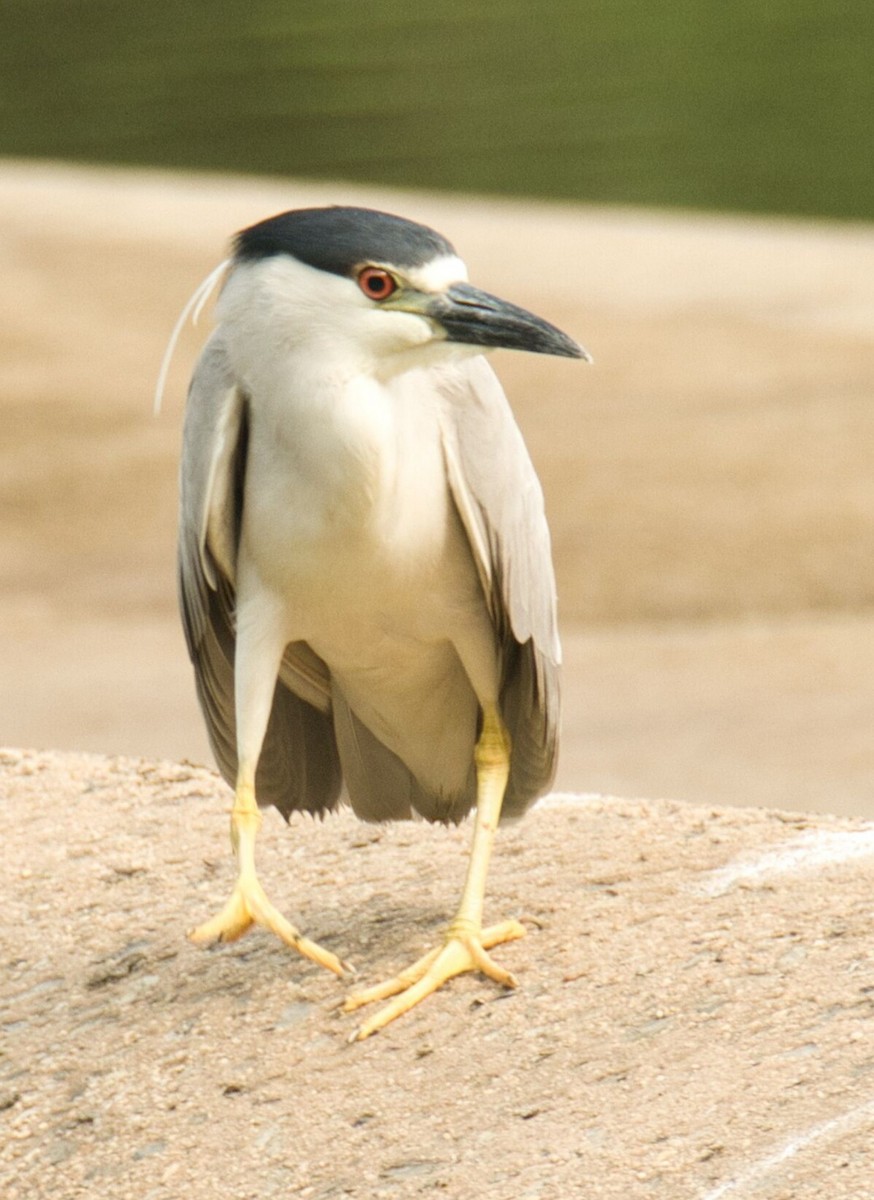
(364, 563)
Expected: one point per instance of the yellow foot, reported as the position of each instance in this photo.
(249, 906)
(463, 950)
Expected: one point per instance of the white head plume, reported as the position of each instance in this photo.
(193, 308)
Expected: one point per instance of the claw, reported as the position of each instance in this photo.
(249, 906)
(463, 951)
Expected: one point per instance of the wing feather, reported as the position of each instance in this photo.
(299, 767)
(500, 503)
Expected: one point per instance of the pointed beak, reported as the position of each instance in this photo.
(477, 318)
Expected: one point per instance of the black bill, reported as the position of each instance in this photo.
(477, 318)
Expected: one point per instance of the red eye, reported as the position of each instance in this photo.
(376, 283)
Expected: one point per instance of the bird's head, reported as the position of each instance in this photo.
(367, 290)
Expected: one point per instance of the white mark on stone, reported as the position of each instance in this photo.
(810, 851)
(827, 1130)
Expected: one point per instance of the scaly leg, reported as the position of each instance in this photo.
(466, 943)
(260, 642)
(248, 904)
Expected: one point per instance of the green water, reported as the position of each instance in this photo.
(759, 105)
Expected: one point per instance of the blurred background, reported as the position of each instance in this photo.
(686, 187)
(754, 105)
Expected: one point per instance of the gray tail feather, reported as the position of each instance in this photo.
(380, 786)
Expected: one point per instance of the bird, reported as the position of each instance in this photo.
(364, 567)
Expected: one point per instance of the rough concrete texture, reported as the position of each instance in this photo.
(695, 1016)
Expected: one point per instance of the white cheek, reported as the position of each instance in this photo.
(399, 330)
(399, 341)
(434, 351)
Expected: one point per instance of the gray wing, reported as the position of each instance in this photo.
(499, 500)
(299, 767)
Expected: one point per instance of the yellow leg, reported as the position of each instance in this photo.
(248, 904)
(466, 943)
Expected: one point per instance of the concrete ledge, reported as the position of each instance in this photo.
(695, 1016)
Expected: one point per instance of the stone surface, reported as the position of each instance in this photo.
(695, 1016)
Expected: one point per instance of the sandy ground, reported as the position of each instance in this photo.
(708, 481)
(695, 1016)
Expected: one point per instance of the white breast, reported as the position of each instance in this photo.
(348, 520)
